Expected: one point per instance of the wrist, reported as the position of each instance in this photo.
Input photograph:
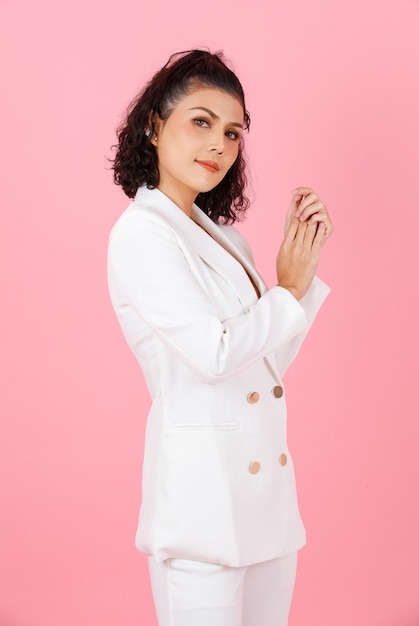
(293, 291)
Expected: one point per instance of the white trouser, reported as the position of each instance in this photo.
(193, 593)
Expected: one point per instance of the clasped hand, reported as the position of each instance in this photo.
(307, 228)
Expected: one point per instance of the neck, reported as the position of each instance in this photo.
(183, 200)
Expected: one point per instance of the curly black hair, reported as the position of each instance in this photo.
(135, 163)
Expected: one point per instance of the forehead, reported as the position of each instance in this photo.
(223, 104)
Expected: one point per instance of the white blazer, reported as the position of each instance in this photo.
(218, 479)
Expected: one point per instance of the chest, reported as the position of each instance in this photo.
(224, 279)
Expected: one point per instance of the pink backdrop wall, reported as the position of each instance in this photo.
(334, 94)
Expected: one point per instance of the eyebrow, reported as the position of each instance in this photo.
(215, 116)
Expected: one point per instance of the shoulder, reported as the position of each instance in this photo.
(137, 221)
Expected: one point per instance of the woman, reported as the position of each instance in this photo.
(219, 516)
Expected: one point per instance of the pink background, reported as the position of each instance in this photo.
(333, 91)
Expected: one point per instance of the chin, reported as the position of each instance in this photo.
(207, 188)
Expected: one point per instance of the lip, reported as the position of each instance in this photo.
(211, 166)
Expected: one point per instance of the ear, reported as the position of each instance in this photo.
(155, 124)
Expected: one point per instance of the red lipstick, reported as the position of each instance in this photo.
(211, 166)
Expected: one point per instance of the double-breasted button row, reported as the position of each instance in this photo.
(254, 466)
(282, 460)
(254, 396)
(277, 391)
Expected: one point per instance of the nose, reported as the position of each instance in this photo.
(217, 143)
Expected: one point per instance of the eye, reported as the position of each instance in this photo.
(231, 134)
(201, 122)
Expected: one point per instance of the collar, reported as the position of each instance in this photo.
(213, 246)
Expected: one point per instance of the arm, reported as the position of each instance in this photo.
(307, 218)
(149, 273)
(311, 304)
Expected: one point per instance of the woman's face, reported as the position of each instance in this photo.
(197, 144)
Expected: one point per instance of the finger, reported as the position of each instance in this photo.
(316, 206)
(302, 190)
(323, 218)
(319, 216)
(310, 234)
(319, 238)
(295, 201)
(301, 232)
(306, 202)
(292, 229)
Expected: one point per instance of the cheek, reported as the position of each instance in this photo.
(191, 136)
(232, 153)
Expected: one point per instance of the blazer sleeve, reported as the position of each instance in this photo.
(149, 272)
(311, 304)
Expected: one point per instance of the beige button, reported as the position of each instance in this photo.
(253, 397)
(277, 391)
(283, 459)
(254, 467)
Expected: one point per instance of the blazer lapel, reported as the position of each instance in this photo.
(217, 233)
(215, 248)
(226, 243)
